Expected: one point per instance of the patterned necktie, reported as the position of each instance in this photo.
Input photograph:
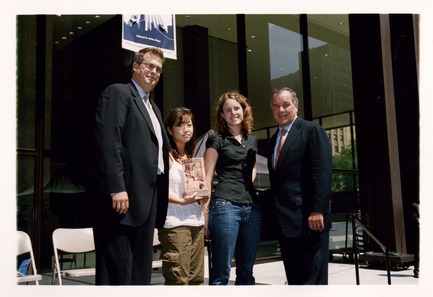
(157, 128)
(283, 135)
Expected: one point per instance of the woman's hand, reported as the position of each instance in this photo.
(206, 225)
(190, 199)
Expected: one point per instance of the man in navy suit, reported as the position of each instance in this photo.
(132, 156)
(300, 169)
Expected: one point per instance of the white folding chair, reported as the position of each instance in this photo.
(25, 246)
(76, 240)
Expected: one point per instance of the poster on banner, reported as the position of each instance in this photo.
(150, 30)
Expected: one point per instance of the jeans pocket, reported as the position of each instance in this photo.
(220, 208)
(220, 202)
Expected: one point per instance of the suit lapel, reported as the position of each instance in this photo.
(143, 110)
(271, 147)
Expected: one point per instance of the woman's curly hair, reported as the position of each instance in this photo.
(247, 124)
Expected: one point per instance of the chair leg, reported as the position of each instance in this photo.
(56, 274)
(53, 278)
(74, 257)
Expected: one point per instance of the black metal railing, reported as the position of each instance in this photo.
(357, 222)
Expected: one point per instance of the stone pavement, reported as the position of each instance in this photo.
(272, 273)
(270, 281)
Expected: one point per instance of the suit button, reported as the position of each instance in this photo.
(156, 162)
(153, 183)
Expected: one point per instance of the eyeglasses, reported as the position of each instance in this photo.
(150, 66)
(284, 106)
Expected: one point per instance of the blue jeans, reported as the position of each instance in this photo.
(235, 230)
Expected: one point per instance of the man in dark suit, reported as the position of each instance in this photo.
(300, 169)
(132, 156)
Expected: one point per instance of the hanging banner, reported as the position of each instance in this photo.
(150, 30)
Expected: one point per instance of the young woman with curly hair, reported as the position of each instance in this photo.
(235, 219)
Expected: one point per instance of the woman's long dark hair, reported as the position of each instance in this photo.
(178, 116)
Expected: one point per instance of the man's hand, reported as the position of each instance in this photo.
(120, 202)
(315, 221)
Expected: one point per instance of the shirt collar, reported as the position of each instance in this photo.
(287, 127)
(141, 92)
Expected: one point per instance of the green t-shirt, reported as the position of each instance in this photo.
(234, 166)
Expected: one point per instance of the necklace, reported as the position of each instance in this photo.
(238, 135)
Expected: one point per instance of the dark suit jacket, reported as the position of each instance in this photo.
(127, 155)
(301, 182)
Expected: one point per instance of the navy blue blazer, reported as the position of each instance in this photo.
(301, 181)
(127, 155)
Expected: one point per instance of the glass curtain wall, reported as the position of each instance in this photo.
(273, 47)
(332, 97)
(223, 60)
(274, 54)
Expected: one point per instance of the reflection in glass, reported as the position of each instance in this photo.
(273, 47)
(25, 198)
(285, 59)
(330, 65)
(284, 46)
(332, 100)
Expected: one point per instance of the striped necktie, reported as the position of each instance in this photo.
(283, 135)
